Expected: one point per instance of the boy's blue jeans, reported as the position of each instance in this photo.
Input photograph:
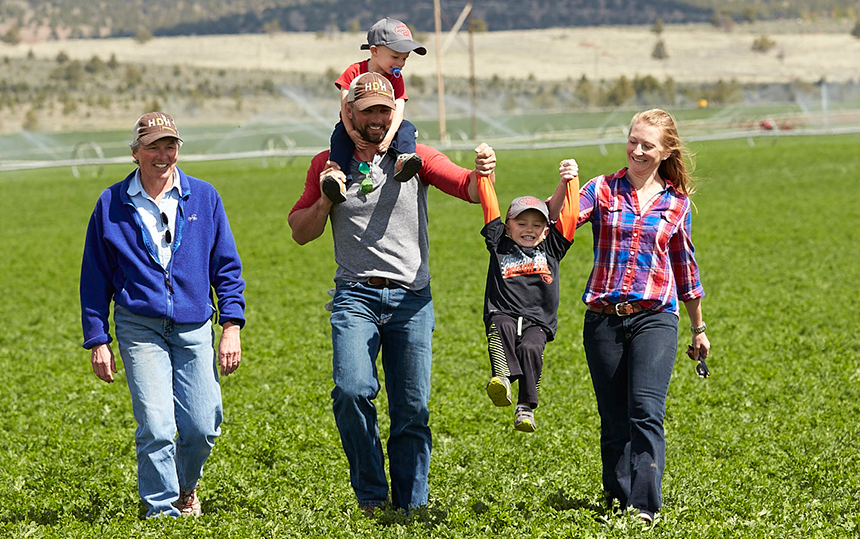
(400, 322)
(176, 399)
(631, 360)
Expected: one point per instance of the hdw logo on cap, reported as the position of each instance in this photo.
(153, 126)
(369, 89)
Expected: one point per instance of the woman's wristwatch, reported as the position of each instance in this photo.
(700, 329)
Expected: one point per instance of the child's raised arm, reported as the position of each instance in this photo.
(564, 204)
(360, 143)
(486, 191)
(396, 120)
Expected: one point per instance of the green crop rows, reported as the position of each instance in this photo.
(768, 447)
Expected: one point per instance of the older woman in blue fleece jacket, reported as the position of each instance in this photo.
(158, 243)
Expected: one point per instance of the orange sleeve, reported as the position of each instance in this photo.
(438, 170)
(489, 201)
(566, 223)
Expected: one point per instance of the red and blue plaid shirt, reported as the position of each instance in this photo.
(646, 257)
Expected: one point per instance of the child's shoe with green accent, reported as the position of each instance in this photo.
(499, 390)
(524, 419)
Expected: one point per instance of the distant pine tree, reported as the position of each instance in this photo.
(660, 52)
(763, 44)
(142, 35)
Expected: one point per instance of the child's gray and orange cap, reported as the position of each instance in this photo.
(521, 204)
(393, 34)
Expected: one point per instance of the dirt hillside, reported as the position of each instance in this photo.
(696, 53)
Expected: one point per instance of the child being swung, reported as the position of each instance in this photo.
(522, 293)
(390, 43)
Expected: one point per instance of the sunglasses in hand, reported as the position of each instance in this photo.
(701, 367)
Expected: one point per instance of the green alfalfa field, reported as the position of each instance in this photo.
(765, 448)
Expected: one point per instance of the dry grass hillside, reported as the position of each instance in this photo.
(696, 52)
(804, 52)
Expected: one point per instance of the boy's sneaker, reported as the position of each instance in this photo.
(408, 165)
(499, 390)
(188, 504)
(333, 189)
(524, 420)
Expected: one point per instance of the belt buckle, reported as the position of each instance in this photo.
(622, 304)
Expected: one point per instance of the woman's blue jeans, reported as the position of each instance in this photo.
(400, 322)
(176, 399)
(631, 360)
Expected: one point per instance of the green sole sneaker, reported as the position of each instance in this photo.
(499, 391)
(524, 420)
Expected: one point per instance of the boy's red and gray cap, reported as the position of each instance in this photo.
(153, 126)
(521, 204)
(393, 34)
(369, 89)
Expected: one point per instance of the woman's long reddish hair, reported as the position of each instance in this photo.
(674, 168)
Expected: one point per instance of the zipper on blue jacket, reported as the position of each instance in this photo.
(169, 286)
(149, 249)
(177, 239)
(147, 241)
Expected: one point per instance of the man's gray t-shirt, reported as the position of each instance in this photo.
(382, 233)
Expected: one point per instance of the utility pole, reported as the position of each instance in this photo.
(472, 81)
(440, 83)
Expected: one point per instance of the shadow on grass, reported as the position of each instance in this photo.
(562, 502)
(96, 509)
(45, 517)
(428, 517)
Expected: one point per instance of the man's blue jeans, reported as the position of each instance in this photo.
(400, 322)
(631, 360)
(173, 379)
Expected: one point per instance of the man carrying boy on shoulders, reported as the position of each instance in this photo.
(382, 299)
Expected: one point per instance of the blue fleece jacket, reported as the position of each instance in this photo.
(120, 263)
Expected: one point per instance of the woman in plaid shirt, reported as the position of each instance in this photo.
(643, 264)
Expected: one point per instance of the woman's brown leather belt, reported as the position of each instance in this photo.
(619, 309)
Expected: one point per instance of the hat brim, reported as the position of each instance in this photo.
(365, 103)
(400, 46)
(516, 213)
(146, 140)
(407, 46)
